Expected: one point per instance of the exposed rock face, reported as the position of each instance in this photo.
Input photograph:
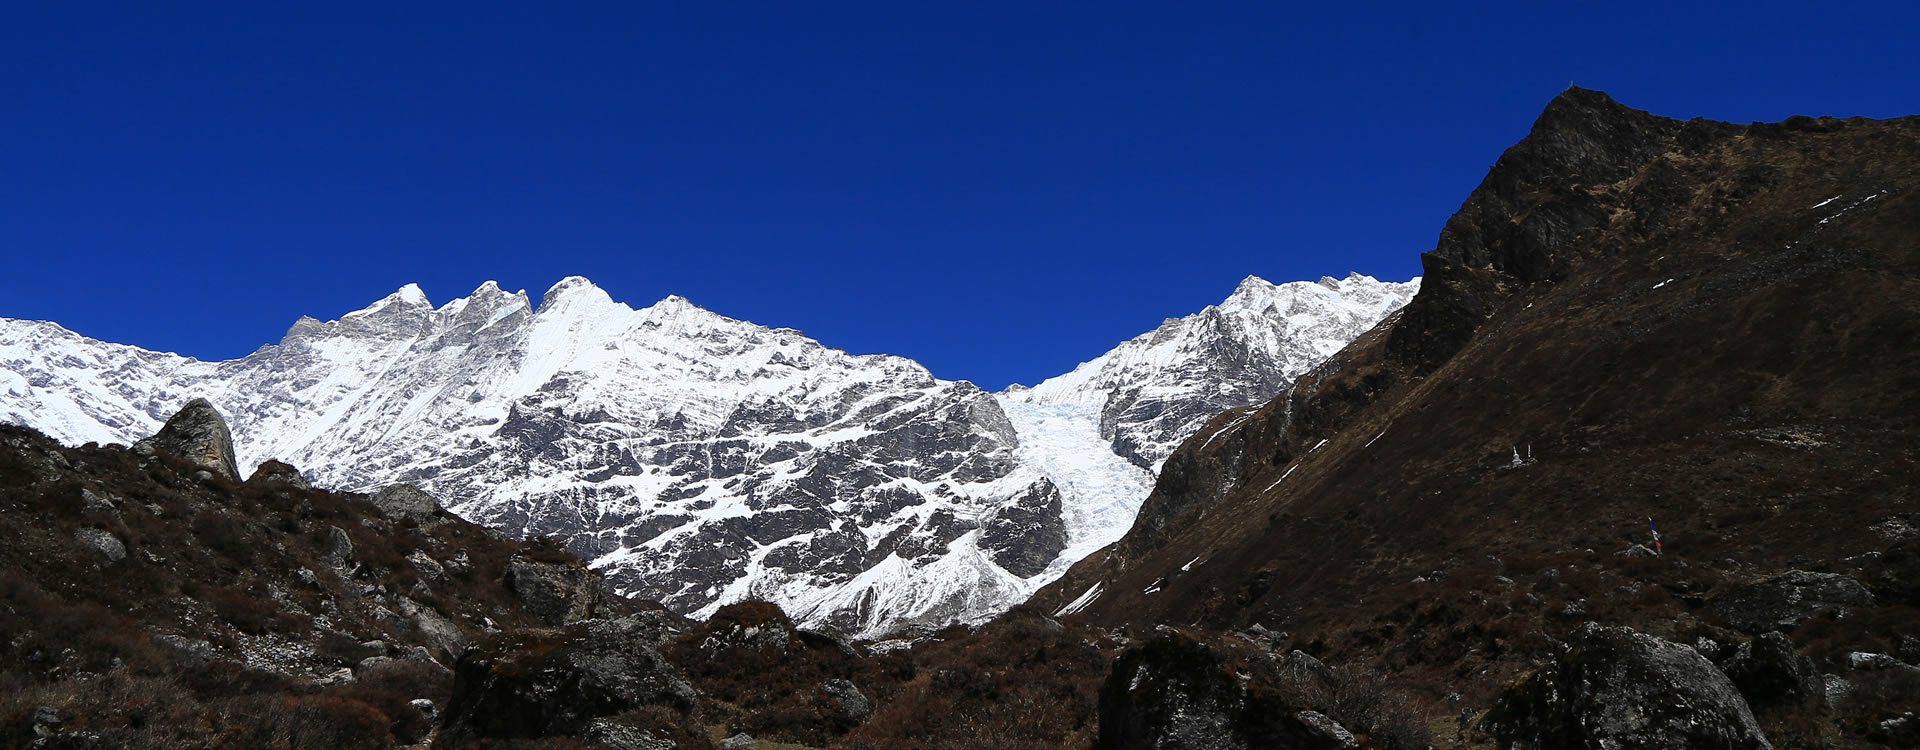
(544, 683)
(1026, 534)
(197, 434)
(557, 593)
(1614, 687)
(1786, 600)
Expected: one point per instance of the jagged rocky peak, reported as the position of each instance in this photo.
(199, 435)
(1558, 184)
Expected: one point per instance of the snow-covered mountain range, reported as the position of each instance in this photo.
(699, 459)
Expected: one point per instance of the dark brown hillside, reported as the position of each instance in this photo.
(1707, 324)
(148, 602)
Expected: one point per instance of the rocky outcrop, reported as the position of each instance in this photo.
(1027, 534)
(1786, 600)
(559, 593)
(405, 502)
(1615, 687)
(198, 435)
(545, 683)
(1175, 692)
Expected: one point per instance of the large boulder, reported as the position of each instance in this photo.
(1767, 670)
(405, 502)
(564, 682)
(1613, 687)
(198, 435)
(559, 593)
(1174, 692)
(106, 548)
(1786, 600)
(281, 473)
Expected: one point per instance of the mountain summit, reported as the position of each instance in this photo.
(699, 460)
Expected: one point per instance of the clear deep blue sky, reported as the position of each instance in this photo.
(998, 190)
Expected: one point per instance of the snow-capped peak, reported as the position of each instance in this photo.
(409, 297)
(574, 290)
(1157, 388)
(699, 459)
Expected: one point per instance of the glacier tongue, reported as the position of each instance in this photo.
(700, 460)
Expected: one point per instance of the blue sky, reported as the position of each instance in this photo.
(999, 190)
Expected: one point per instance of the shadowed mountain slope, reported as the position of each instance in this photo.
(1708, 324)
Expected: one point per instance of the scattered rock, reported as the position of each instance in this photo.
(1767, 670)
(537, 683)
(557, 593)
(1861, 560)
(460, 565)
(427, 709)
(737, 741)
(427, 566)
(1835, 689)
(439, 632)
(1786, 600)
(369, 663)
(616, 736)
(339, 676)
(1327, 732)
(194, 652)
(1900, 731)
(1908, 648)
(854, 705)
(198, 435)
(1614, 687)
(339, 546)
(107, 550)
(46, 719)
(92, 503)
(1175, 692)
(1865, 660)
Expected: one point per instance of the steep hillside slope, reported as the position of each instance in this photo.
(1705, 324)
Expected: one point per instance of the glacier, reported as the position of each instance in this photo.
(699, 460)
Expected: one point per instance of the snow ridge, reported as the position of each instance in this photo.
(1158, 388)
(699, 460)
